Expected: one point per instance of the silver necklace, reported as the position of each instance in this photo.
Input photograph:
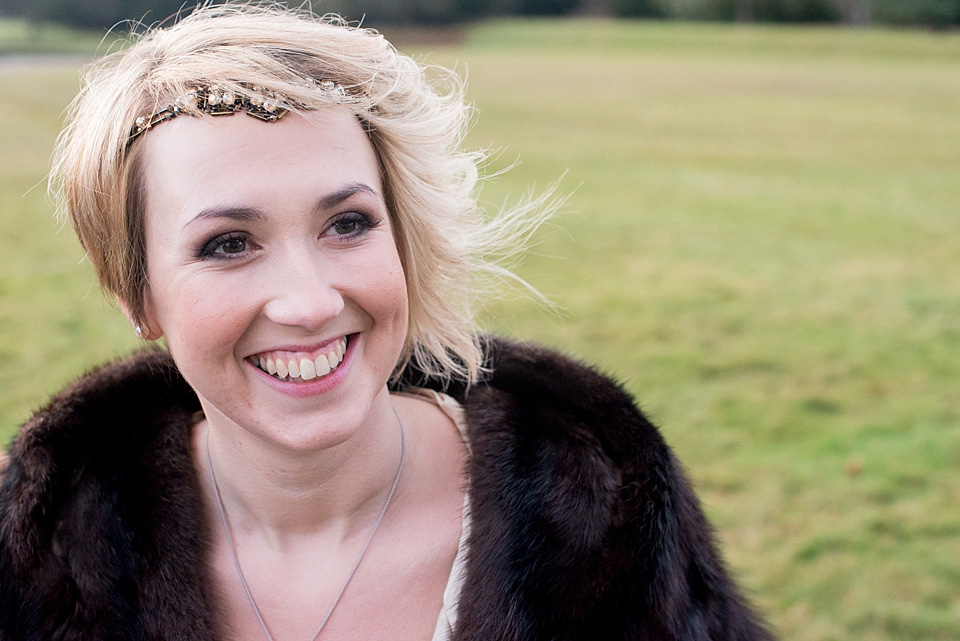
(233, 549)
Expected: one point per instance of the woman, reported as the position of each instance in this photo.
(326, 449)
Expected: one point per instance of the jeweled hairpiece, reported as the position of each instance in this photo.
(262, 104)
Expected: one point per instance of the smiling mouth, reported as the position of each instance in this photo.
(299, 367)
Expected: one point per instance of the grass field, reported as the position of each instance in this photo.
(18, 37)
(762, 240)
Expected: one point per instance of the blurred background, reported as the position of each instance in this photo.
(939, 13)
(761, 239)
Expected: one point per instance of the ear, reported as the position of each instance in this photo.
(145, 327)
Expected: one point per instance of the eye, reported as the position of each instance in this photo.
(231, 246)
(351, 225)
(225, 246)
(345, 226)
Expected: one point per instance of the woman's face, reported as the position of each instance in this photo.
(269, 247)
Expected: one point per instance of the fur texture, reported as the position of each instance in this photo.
(583, 526)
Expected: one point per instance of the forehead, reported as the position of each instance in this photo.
(191, 163)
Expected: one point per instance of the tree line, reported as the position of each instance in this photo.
(102, 14)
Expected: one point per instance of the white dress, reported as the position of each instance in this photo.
(451, 594)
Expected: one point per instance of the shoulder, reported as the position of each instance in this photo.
(105, 421)
(140, 389)
(567, 443)
(547, 422)
(568, 399)
(585, 525)
(102, 422)
(97, 484)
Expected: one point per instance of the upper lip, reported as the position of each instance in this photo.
(304, 348)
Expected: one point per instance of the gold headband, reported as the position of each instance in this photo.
(262, 104)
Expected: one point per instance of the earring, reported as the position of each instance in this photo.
(139, 331)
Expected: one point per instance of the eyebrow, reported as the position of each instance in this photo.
(337, 197)
(251, 214)
(240, 214)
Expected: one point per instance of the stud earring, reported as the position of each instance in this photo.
(139, 331)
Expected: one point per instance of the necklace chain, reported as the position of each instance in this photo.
(236, 559)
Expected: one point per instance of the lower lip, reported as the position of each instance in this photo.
(317, 386)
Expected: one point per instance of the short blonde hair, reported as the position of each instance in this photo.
(415, 117)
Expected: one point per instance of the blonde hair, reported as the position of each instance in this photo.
(415, 117)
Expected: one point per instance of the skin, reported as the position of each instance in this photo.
(274, 238)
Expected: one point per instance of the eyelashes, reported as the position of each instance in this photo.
(224, 246)
(234, 245)
(351, 225)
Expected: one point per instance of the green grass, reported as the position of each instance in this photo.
(762, 240)
(22, 37)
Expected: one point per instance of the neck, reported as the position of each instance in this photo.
(280, 494)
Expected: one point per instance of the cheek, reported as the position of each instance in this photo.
(199, 316)
(396, 290)
(203, 340)
(389, 307)
(385, 294)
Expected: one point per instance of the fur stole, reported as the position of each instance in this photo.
(583, 526)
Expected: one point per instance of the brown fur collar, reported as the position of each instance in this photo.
(583, 526)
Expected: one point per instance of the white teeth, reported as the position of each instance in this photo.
(304, 368)
(308, 370)
(323, 366)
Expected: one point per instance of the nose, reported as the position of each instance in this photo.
(304, 291)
